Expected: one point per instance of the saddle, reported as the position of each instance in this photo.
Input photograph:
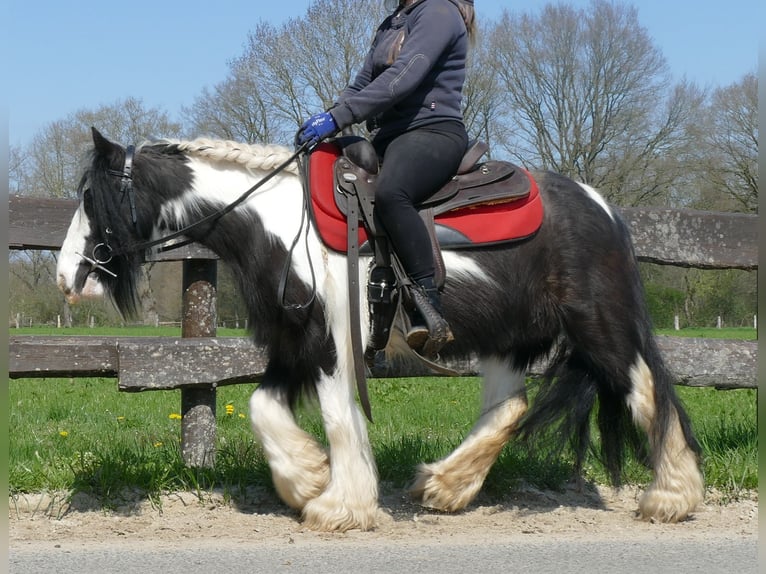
(485, 203)
(491, 183)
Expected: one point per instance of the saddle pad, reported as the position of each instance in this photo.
(461, 228)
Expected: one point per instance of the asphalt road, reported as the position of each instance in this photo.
(729, 556)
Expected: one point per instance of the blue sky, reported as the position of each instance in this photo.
(67, 56)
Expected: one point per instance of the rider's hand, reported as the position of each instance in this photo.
(316, 128)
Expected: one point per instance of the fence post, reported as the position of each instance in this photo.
(198, 427)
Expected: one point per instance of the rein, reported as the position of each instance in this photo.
(127, 188)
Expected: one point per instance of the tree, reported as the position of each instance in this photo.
(589, 98)
(730, 137)
(57, 151)
(51, 166)
(287, 73)
(485, 104)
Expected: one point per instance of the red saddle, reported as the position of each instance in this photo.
(488, 222)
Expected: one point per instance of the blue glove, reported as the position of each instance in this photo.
(316, 128)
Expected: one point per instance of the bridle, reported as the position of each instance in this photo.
(126, 188)
(103, 252)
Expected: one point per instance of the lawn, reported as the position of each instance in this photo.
(83, 435)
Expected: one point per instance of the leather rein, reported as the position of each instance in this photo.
(126, 187)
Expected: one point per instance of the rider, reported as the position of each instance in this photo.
(409, 92)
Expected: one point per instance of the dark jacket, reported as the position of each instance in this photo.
(422, 84)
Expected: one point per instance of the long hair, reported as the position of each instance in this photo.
(469, 17)
(466, 11)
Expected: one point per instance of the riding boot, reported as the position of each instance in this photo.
(428, 331)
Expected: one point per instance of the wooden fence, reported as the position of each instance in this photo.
(199, 362)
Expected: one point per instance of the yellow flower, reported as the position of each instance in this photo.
(174, 417)
(63, 433)
(157, 444)
(229, 409)
(120, 419)
(241, 415)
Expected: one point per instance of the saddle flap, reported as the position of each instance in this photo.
(352, 183)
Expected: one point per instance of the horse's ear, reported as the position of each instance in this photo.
(102, 145)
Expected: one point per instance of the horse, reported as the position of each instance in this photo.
(570, 294)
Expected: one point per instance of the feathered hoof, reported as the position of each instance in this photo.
(657, 505)
(432, 490)
(331, 515)
(296, 490)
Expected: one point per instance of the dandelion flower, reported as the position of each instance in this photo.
(158, 444)
(229, 409)
(64, 433)
(174, 417)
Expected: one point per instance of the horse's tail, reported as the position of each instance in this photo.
(562, 411)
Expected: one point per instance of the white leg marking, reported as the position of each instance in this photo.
(453, 482)
(678, 485)
(299, 465)
(351, 498)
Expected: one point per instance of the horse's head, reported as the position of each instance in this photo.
(96, 257)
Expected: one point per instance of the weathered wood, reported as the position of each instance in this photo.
(199, 318)
(163, 363)
(36, 223)
(37, 356)
(168, 363)
(690, 238)
(694, 362)
(720, 363)
(139, 363)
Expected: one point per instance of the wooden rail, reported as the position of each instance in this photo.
(199, 362)
(165, 363)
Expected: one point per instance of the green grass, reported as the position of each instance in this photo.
(83, 435)
(133, 331)
(744, 333)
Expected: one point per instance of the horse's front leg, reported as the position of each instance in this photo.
(299, 465)
(351, 498)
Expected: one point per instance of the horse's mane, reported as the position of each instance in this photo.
(251, 156)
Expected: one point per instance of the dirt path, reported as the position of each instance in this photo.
(528, 514)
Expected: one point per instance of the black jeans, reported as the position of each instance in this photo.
(416, 164)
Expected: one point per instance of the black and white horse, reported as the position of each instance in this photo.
(571, 291)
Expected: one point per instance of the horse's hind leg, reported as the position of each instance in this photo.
(453, 482)
(299, 465)
(678, 484)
